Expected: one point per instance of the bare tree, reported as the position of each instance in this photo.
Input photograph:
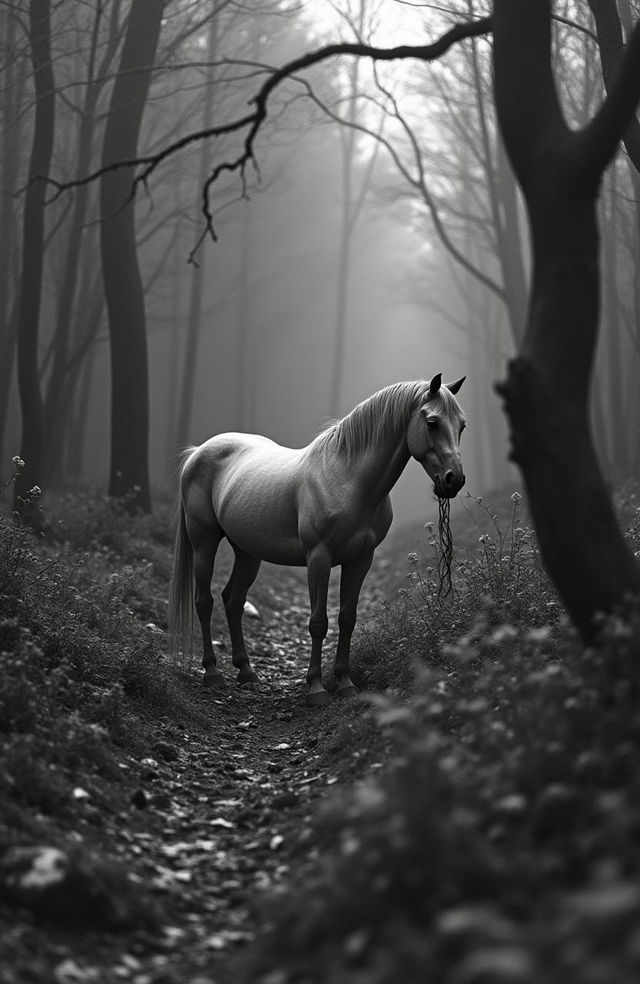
(547, 388)
(129, 468)
(187, 383)
(99, 61)
(30, 290)
(13, 83)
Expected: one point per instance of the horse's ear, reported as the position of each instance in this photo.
(435, 384)
(454, 387)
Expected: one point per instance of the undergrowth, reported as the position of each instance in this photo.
(82, 609)
(501, 841)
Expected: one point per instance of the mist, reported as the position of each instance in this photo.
(377, 236)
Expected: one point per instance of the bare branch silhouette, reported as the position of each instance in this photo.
(251, 122)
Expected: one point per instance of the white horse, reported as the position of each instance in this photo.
(321, 506)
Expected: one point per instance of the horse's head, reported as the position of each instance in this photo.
(433, 436)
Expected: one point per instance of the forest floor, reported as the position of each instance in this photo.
(473, 817)
(212, 808)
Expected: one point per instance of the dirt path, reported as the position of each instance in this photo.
(216, 812)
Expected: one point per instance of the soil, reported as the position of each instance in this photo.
(213, 814)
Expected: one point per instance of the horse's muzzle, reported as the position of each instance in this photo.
(448, 485)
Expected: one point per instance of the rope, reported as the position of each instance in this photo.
(445, 553)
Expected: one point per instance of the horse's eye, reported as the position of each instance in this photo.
(432, 424)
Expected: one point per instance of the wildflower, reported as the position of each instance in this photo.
(35, 492)
(17, 460)
(503, 633)
(515, 497)
(413, 557)
(478, 499)
(484, 538)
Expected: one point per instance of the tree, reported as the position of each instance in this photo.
(546, 391)
(30, 292)
(129, 468)
(58, 394)
(185, 405)
(13, 82)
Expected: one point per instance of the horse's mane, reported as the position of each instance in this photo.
(385, 414)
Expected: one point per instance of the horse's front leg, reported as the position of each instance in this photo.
(318, 573)
(351, 579)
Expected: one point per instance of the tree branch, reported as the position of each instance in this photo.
(525, 86)
(253, 121)
(608, 125)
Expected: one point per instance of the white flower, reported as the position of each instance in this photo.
(17, 460)
(515, 497)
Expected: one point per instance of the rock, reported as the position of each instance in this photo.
(140, 799)
(251, 610)
(161, 801)
(165, 751)
(285, 799)
(73, 888)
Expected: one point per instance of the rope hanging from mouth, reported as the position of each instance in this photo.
(445, 551)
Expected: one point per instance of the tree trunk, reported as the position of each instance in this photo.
(245, 377)
(30, 290)
(546, 391)
(185, 407)
(80, 371)
(618, 428)
(129, 469)
(55, 401)
(8, 240)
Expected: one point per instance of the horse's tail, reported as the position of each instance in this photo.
(181, 588)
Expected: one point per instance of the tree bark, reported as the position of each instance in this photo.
(129, 468)
(30, 290)
(13, 88)
(185, 406)
(546, 391)
(57, 400)
(611, 46)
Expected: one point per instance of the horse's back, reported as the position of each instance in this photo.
(251, 484)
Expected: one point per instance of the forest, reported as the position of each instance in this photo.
(250, 217)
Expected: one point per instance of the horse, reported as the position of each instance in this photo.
(320, 506)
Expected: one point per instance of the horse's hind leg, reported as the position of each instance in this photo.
(245, 570)
(205, 539)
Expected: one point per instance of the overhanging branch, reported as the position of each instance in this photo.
(251, 122)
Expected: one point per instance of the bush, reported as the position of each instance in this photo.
(76, 648)
(500, 842)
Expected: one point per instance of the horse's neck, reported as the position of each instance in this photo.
(380, 466)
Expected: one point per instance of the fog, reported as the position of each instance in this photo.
(404, 217)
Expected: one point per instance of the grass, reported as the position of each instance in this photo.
(82, 610)
(500, 842)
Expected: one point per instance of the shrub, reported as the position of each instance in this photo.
(75, 649)
(500, 841)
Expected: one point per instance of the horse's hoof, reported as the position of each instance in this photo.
(348, 690)
(249, 676)
(214, 680)
(317, 698)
